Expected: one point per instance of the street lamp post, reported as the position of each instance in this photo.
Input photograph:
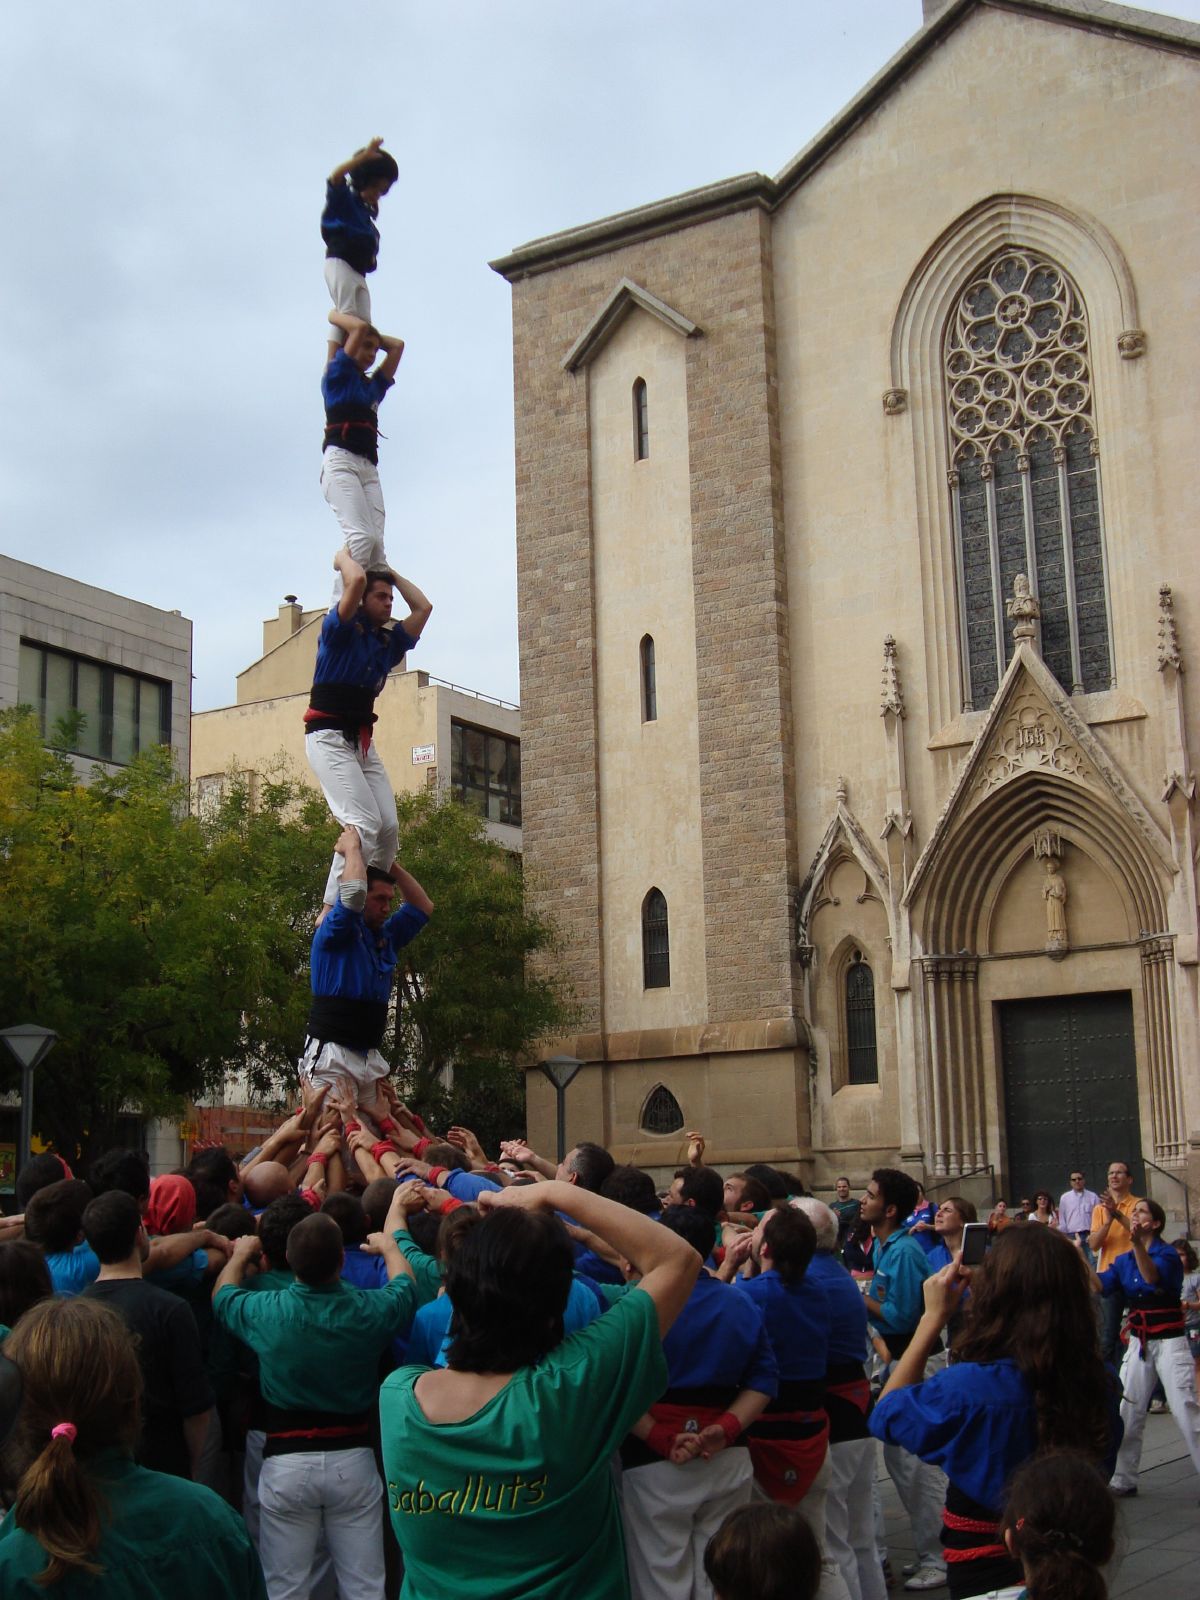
(29, 1046)
(560, 1070)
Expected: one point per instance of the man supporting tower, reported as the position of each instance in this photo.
(354, 954)
(355, 653)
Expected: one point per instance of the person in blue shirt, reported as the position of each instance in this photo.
(1150, 1277)
(352, 195)
(354, 954)
(352, 393)
(894, 1304)
(355, 653)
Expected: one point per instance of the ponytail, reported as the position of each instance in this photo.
(1059, 1522)
(58, 1504)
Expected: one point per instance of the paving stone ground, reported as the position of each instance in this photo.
(1158, 1555)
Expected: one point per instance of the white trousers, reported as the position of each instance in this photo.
(670, 1514)
(336, 1492)
(349, 292)
(329, 1062)
(358, 791)
(850, 1518)
(351, 485)
(922, 1491)
(1171, 1361)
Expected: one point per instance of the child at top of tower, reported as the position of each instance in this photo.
(352, 196)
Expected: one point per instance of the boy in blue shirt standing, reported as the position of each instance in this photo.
(350, 453)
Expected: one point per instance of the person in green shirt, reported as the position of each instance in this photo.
(87, 1519)
(318, 1343)
(497, 1465)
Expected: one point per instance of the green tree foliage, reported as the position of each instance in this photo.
(167, 949)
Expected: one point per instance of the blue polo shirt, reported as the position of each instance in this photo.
(355, 653)
(847, 1313)
(719, 1340)
(351, 962)
(344, 383)
(901, 1267)
(348, 227)
(1124, 1275)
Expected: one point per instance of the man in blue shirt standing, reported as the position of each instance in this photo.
(355, 653)
(354, 954)
(894, 1304)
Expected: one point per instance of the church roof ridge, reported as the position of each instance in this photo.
(756, 189)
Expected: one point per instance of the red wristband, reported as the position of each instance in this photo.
(420, 1147)
(318, 1158)
(435, 1173)
(385, 1147)
(492, 1166)
(661, 1439)
(450, 1204)
(352, 1127)
(311, 1198)
(729, 1426)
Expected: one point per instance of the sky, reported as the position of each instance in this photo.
(160, 409)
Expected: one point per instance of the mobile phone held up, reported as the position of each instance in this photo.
(974, 1243)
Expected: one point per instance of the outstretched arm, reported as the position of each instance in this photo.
(419, 608)
(347, 167)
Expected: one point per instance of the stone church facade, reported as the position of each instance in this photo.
(857, 569)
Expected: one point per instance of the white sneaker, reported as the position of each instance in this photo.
(910, 1567)
(927, 1578)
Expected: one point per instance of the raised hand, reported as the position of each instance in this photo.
(466, 1141)
(695, 1150)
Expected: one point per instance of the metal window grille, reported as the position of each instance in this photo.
(862, 1055)
(656, 942)
(662, 1112)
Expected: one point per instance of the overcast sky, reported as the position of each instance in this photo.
(162, 274)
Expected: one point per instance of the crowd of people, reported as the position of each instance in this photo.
(368, 1361)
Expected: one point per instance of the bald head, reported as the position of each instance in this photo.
(314, 1250)
(269, 1180)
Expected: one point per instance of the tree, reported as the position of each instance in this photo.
(168, 949)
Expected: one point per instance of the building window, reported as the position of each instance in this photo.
(641, 421)
(649, 687)
(656, 942)
(1025, 473)
(90, 708)
(662, 1112)
(485, 772)
(862, 1058)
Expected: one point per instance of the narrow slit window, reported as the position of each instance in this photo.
(641, 421)
(649, 685)
(862, 1056)
(656, 942)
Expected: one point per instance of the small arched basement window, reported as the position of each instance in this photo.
(656, 942)
(661, 1113)
(862, 1056)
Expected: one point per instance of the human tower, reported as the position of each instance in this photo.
(357, 942)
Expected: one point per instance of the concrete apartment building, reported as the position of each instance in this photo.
(857, 579)
(430, 734)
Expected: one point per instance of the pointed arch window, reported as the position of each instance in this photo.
(661, 1113)
(649, 682)
(862, 1055)
(656, 942)
(641, 421)
(1025, 472)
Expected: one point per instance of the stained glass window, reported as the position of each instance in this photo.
(1025, 473)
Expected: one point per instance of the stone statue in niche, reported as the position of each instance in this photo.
(1054, 893)
(1023, 609)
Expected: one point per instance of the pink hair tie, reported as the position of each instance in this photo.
(64, 1430)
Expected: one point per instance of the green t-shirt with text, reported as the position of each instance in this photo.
(518, 1501)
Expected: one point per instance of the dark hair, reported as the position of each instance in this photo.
(378, 875)
(1038, 1195)
(425, 1228)
(110, 1226)
(314, 1250)
(897, 1189)
(77, 1365)
(126, 1170)
(376, 1201)
(276, 1223)
(350, 1217)
(452, 1227)
(508, 1282)
(764, 1552)
(1031, 1303)
(1157, 1212)
(1061, 1518)
(591, 1164)
(24, 1279)
(55, 1214)
(963, 1206)
(792, 1240)
(441, 1153)
(704, 1188)
(631, 1187)
(753, 1191)
(694, 1225)
(1184, 1246)
(211, 1172)
(379, 575)
(776, 1183)
(38, 1173)
(230, 1221)
(379, 168)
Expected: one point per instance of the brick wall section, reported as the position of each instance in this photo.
(719, 275)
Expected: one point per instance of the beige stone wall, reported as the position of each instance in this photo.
(641, 530)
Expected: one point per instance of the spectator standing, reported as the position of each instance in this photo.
(1075, 1210)
(1109, 1239)
(1043, 1209)
(845, 1208)
(1189, 1297)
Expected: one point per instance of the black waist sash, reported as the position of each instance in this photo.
(346, 707)
(354, 428)
(338, 1019)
